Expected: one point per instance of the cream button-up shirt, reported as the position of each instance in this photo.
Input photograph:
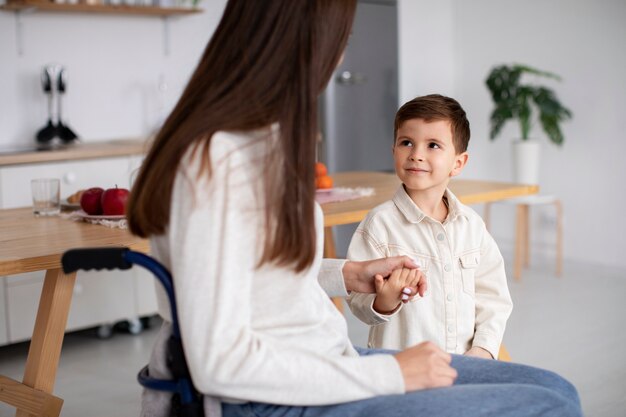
(467, 302)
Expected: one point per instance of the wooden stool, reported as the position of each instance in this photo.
(522, 234)
(504, 355)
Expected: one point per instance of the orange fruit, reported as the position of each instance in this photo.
(324, 182)
(320, 169)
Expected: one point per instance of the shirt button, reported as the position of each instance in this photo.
(440, 237)
(446, 267)
(449, 297)
(450, 329)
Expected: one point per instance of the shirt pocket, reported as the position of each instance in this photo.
(469, 264)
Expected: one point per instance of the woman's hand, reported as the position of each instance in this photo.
(359, 276)
(425, 366)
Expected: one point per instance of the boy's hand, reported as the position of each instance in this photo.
(400, 286)
(478, 352)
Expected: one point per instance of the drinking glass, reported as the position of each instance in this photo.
(46, 196)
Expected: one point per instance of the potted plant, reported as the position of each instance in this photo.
(514, 100)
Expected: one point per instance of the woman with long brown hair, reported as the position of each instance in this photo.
(226, 195)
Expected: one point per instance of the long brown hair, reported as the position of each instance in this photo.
(267, 62)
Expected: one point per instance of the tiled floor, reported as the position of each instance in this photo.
(574, 325)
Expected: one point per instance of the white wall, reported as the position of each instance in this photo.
(426, 48)
(114, 65)
(582, 41)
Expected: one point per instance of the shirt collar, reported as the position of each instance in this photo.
(414, 214)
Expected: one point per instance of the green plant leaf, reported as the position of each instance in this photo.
(550, 125)
(499, 116)
(514, 100)
(530, 70)
(524, 111)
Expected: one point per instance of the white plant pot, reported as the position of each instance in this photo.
(526, 155)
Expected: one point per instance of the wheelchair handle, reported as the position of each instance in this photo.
(95, 258)
(122, 258)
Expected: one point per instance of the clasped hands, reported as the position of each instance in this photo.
(396, 280)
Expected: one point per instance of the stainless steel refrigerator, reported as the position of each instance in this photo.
(359, 104)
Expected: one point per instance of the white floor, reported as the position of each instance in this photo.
(574, 325)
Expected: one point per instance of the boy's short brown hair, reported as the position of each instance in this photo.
(435, 107)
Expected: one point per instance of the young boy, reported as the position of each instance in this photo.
(467, 303)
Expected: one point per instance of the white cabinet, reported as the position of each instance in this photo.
(100, 297)
(145, 292)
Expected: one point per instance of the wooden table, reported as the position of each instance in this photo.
(35, 244)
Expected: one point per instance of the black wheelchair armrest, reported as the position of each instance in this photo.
(95, 258)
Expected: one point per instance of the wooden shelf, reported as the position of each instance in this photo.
(17, 5)
(77, 151)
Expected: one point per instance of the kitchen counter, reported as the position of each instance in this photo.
(78, 151)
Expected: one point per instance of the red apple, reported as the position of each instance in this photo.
(114, 201)
(90, 201)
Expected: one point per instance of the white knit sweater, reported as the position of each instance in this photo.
(256, 334)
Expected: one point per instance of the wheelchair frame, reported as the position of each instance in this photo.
(187, 402)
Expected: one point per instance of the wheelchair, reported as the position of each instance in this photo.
(186, 401)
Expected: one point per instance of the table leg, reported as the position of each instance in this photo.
(526, 236)
(559, 238)
(329, 243)
(45, 346)
(520, 244)
(331, 252)
(27, 400)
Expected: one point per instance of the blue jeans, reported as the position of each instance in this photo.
(486, 388)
